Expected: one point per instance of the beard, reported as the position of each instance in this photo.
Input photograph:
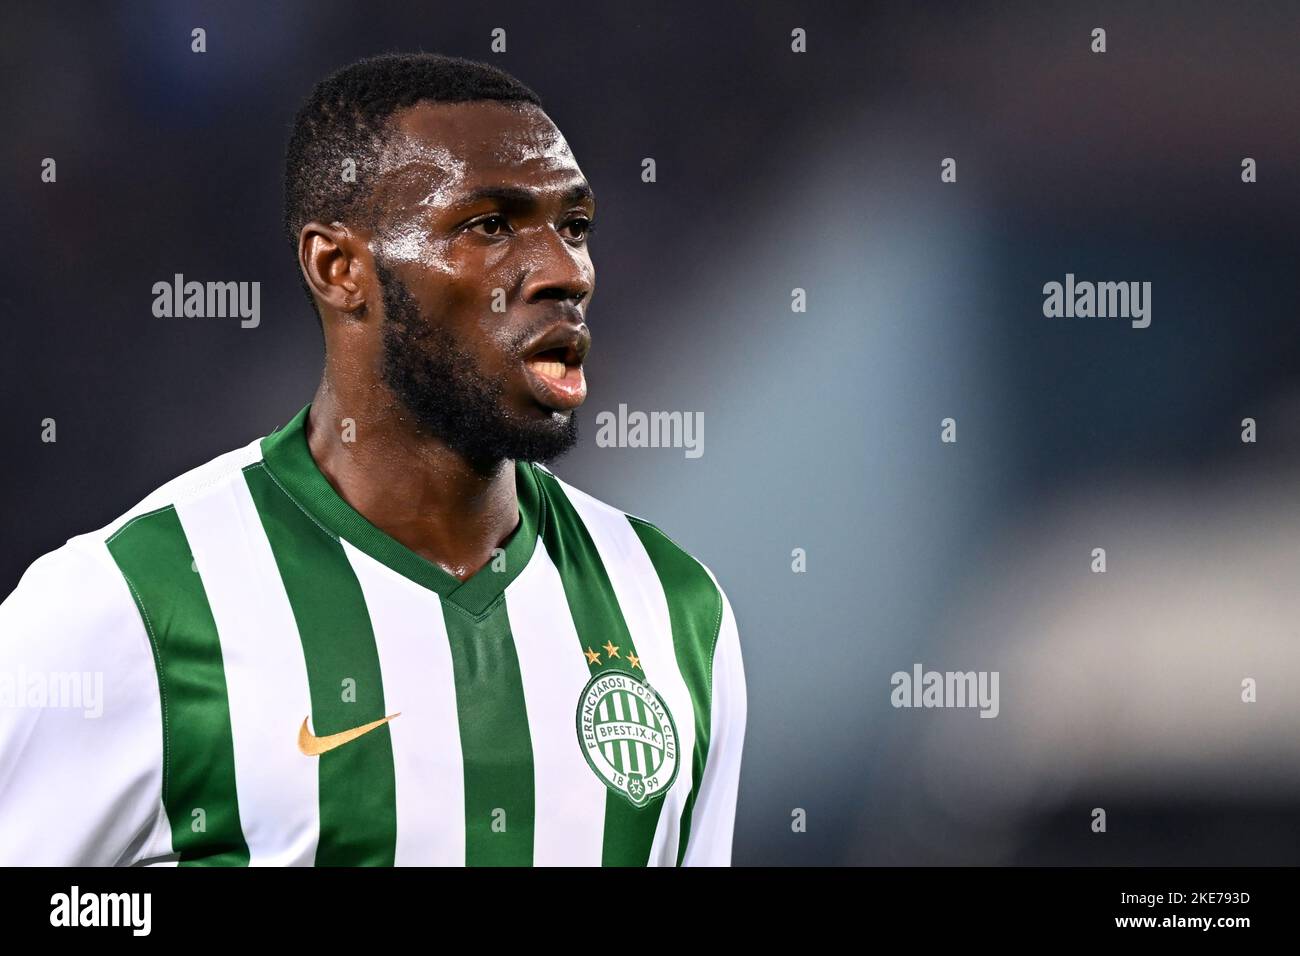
(449, 395)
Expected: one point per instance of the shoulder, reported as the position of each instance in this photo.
(77, 594)
(204, 479)
(691, 588)
(67, 598)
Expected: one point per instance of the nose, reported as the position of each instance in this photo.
(557, 270)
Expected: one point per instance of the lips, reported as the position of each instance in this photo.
(554, 367)
(557, 385)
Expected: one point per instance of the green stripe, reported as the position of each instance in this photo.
(695, 611)
(358, 789)
(199, 792)
(494, 738)
(629, 830)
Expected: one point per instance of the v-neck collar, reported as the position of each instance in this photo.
(287, 457)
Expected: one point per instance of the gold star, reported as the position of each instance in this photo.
(592, 656)
(633, 659)
(611, 649)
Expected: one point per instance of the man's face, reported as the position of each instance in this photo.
(481, 250)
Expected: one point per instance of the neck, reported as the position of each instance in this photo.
(412, 487)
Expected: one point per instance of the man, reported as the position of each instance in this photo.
(386, 633)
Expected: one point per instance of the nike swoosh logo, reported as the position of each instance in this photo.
(313, 746)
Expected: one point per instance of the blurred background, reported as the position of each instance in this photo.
(779, 170)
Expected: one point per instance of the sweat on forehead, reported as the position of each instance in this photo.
(434, 151)
(458, 136)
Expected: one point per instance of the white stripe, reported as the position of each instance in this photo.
(415, 664)
(266, 674)
(76, 791)
(641, 597)
(713, 820)
(569, 826)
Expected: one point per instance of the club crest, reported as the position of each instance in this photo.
(628, 736)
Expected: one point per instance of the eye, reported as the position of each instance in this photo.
(494, 225)
(582, 227)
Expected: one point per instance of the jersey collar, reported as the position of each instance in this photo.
(287, 457)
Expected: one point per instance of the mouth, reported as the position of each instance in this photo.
(556, 376)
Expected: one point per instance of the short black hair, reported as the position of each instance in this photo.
(347, 117)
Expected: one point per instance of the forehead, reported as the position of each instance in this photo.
(455, 146)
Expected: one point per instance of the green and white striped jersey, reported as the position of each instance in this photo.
(242, 670)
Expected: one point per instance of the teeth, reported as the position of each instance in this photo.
(550, 369)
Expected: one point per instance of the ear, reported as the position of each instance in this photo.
(335, 261)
